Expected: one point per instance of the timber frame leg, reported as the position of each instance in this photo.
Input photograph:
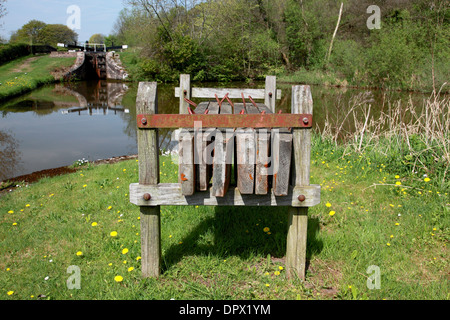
(298, 217)
(148, 149)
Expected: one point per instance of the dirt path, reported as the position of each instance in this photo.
(25, 66)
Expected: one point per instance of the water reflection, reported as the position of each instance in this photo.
(54, 126)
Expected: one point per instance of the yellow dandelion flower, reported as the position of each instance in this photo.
(94, 224)
(113, 234)
(267, 285)
(138, 258)
(266, 229)
(10, 293)
(397, 177)
(130, 269)
(11, 211)
(28, 205)
(332, 213)
(125, 251)
(109, 208)
(118, 278)
(280, 268)
(388, 244)
(398, 183)
(426, 179)
(79, 253)
(328, 204)
(14, 224)
(397, 224)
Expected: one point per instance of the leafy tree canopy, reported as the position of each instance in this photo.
(38, 32)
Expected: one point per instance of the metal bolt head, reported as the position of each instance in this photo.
(301, 198)
(144, 121)
(147, 197)
(270, 94)
(305, 120)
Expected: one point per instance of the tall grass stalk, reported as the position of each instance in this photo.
(415, 139)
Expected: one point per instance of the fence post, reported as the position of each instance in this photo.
(185, 92)
(298, 217)
(148, 149)
(270, 94)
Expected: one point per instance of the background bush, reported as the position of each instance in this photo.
(12, 52)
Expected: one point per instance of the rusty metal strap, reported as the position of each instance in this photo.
(173, 121)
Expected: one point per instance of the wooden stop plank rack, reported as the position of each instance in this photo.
(270, 152)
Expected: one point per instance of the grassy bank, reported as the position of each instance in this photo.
(28, 73)
(369, 215)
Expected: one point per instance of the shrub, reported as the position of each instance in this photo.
(12, 52)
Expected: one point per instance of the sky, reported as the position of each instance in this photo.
(95, 16)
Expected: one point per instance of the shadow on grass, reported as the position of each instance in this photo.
(242, 232)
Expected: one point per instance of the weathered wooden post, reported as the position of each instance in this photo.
(148, 153)
(270, 94)
(186, 169)
(298, 216)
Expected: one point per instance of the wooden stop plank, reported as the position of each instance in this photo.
(202, 143)
(245, 156)
(223, 156)
(262, 142)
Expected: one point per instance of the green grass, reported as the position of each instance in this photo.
(224, 252)
(312, 77)
(17, 78)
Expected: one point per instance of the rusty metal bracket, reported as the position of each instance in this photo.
(174, 121)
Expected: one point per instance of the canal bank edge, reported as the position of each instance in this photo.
(11, 184)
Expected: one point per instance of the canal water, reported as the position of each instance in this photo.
(60, 124)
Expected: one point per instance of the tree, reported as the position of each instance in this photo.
(112, 40)
(38, 32)
(2, 8)
(97, 38)
(29, 33)
(52, 34)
